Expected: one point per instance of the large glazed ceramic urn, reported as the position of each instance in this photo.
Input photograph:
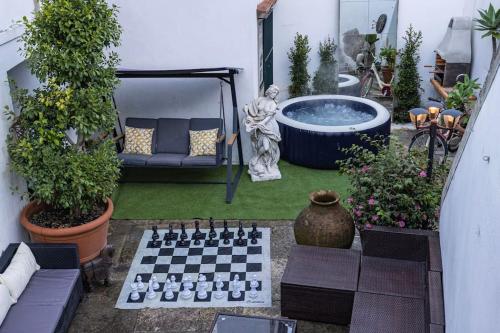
(91, 237)
(324, 222)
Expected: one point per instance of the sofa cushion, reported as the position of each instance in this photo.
(203, 143)
(50, 286)
(200, 124)
(145, 123)
(173, 136)
(133, 159)
(166, 159)
(23, 318)
(5, 302)
(199, 161)
(19, 272)
(138, 140)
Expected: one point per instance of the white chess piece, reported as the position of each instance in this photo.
(156, 285)
(140, 285)
(254, 284)
(236, 281)
(186, 293)
(202, 292)
(134, 296)
(188, 282)
(151, 292)
(172, 280)
(202, 279)
(168, 291)
(219, 282)
(236, 291)
(218, 294)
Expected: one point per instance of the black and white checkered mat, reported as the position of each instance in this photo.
(211, 260)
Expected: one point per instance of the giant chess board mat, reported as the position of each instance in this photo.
(191, 260)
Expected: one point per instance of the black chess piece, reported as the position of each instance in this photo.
(183, 232)
(240, 241)
(170, 232)
(254, 229)
(182, 242)
(168, 240)
(226, 237)
(197, 239)
(241, 232)
(155, 236)
(197, 232)
(226, 230)
(254, 237)
(210, 241)
(212, 232)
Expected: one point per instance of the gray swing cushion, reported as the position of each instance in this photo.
(173, 136)
(133, 159)
(166, 159)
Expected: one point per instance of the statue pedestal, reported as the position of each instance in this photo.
(265, 177)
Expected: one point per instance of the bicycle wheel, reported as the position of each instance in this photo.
(366, 84)
(421, 140)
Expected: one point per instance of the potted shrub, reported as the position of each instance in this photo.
(393, 202)
(388, 55)
(57, 142)
(326, 78)
(462, 98)
(299, 58)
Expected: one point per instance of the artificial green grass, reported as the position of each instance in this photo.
(274, 200)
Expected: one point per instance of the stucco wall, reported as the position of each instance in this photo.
(318, 19)
(187, 34)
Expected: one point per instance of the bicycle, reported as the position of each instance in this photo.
(370, 75)
(448, 137)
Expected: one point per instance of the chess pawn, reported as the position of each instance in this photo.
(202, 279)
(140, 285)
(188, 282)
(134, 296)
(219, 294)
(151, 292)
(168, 291)
(186, 292)
(202, 292)
(156, 285)
(172, 281)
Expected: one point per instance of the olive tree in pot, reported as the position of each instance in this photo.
(394, 204)
(57, 142)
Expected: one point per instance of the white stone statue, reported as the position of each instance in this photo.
(264, 132)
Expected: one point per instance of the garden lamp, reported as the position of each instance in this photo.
(450, 117)
(433, 112)
(418, 116)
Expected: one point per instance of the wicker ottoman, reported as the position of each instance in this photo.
(319, 284)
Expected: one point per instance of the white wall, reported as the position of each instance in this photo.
(316, 18)
(470, 230)
(187, 34)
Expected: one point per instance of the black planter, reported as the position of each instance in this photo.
(397, 243)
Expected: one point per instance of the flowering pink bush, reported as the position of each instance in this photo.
(391, 187)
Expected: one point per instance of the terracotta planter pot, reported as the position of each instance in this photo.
(91, 237)
(387, 74)
(396, 243)
(324, 222)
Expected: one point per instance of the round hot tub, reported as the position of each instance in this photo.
(315, 129)
(349, 85)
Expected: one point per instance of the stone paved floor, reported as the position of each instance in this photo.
(96, 313)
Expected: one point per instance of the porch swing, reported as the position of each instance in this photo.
(170, 144)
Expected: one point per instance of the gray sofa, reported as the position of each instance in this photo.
(49, 302)
(170, 146)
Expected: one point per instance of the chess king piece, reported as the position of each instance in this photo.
(151, 292)
(186, 292)
(172, 281)
(140, 285)
(155, 236)
(156, 285)
(134, 296)
(265, 136)
(169, 294)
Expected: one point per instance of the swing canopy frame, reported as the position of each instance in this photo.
(225, 75)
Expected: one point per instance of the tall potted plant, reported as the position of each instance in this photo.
(299, 58)
(57, 142)
(388, 54)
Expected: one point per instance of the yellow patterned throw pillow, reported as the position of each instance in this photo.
(203, 142)
(138, 140)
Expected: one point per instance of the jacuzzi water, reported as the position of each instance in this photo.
(329, 114)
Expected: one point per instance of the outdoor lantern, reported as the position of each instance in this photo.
(450, 117)
(433, 112)
(418, 116)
